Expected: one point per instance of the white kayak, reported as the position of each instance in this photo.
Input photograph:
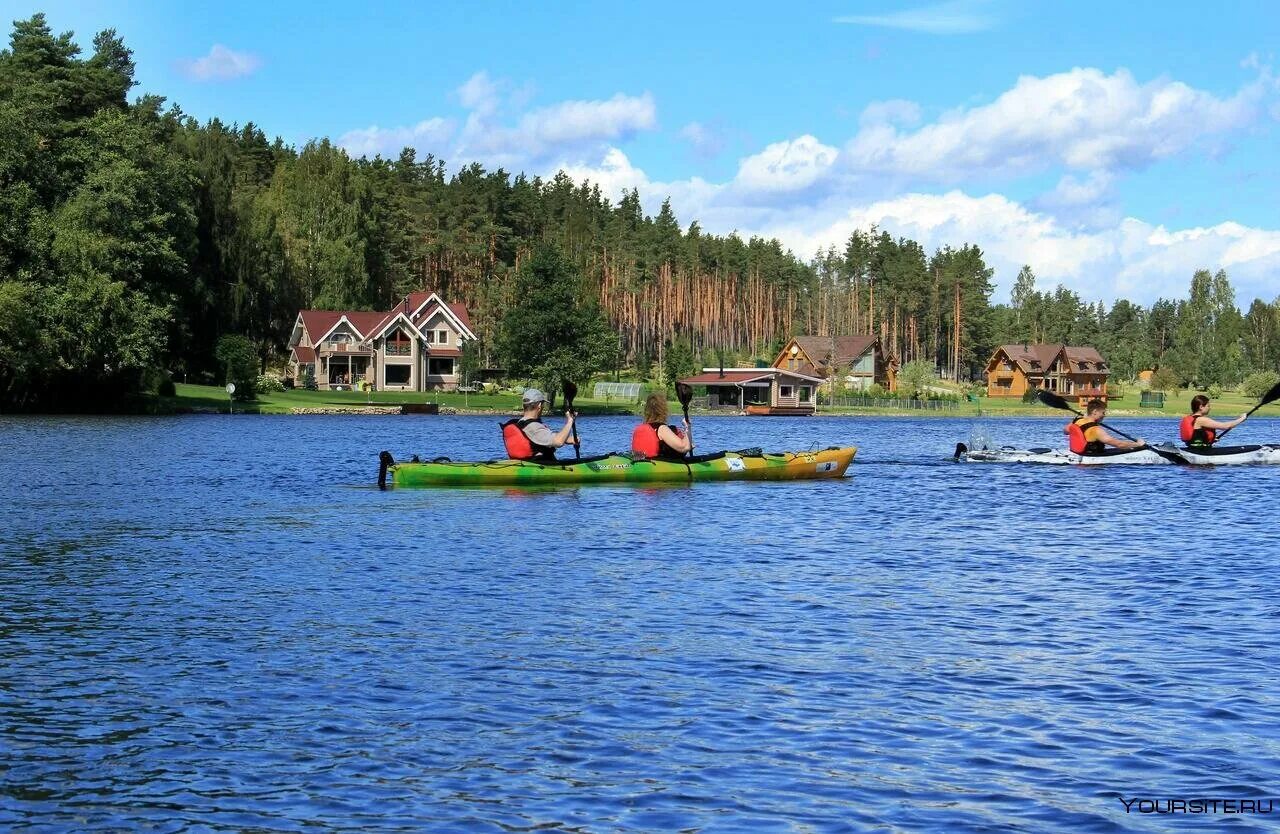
(1231, 455)
(1220, 456)
(1062, 457)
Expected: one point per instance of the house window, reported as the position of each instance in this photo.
(442, 337)
(396, 374)
(804, 393)
(785, 390)
(430, 336)
(398, 344)
(440, 366)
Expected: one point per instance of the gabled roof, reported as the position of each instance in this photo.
(1038, 358)
(823, 351)
(424, 305)
(304, 355)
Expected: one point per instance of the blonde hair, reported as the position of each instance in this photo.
(655, 408)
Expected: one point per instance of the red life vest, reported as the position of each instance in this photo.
(645, 441)
(519, 446)
(1076, 438)
(1196, 437)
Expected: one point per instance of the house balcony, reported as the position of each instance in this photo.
(343, 349)
(392, 349)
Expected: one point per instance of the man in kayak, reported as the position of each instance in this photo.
(1086, 436)
(527, 438)
(1198, 429)
(654, 438)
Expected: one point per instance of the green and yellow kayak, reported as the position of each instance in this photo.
(746, 465)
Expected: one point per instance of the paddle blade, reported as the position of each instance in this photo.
(684, 393)
(1052, 400)
(570, 391)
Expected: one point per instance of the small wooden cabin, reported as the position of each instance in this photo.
(759, 391)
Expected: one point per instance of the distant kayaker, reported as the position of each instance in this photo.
(654, 438)
(1198, 428)
(1086, 436)
(527, 438)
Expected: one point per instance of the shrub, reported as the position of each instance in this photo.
(1215, 391)
(874, 390)
(268, 382)
(1260, 382)
(165, 388)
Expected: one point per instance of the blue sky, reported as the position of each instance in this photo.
(1114, 147)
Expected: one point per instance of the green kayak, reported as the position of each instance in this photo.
(619, 468)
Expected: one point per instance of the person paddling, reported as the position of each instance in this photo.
(1087, 437)
(654, 438)
(527, 438)
(1198, 429)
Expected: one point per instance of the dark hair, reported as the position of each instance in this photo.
(1094, 405)
(1198, 402)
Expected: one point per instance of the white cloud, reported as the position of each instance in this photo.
(1082, 119)
(786, 166)
(221, 64)
(1127, 258)
(430, 135)
(560, 130)
(480, 92)
(958, 17)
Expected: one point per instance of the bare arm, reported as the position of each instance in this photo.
(1118, 442)
(562, 436)
(1218, 425)
(675, 441)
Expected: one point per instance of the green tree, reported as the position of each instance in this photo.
(916, 377)
(677, 361)
(239, 359)
(553, 333)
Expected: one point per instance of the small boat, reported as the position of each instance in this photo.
(1231, 455)
(744, 465)
(1062, 457)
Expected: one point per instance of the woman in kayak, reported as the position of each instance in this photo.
(654, 438)
(527, 438)
(1086, 435)
(1198, 428)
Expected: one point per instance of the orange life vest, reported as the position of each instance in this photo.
(645, 441)
(1077, 440)
(519, 446)
(1193, 436)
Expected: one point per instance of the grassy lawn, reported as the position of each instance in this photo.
(213, 398)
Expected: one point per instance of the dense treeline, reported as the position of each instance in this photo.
(133, 237)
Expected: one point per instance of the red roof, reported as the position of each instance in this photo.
(729, 378)
(304, 355)
(320, 322)
(443, 351)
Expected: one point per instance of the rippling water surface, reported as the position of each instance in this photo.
(213, 623)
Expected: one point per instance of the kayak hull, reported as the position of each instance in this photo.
(622, 469)
(1060, 457)
(1220, 456)
(1266, 455)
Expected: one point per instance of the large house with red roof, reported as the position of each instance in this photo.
(414, 347)
(858, 362)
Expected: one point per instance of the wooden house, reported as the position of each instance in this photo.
(857, 361)
(1077, 372)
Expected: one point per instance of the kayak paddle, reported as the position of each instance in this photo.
(570, 394)
(1267, 398)
(1054, 401)
(684, 393)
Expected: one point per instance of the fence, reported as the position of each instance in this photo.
(890, 403)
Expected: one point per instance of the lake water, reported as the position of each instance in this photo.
(218, 624)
